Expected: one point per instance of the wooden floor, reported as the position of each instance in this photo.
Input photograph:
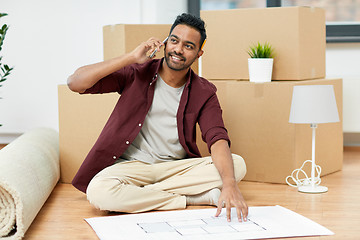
(338, 209)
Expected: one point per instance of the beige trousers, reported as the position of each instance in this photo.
(134, 186)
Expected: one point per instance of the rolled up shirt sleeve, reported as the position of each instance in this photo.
(211, 122)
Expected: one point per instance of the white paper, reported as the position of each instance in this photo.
(263, 222)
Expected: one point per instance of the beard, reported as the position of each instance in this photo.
(177, 66)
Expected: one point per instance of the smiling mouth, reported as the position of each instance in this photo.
(176, 58)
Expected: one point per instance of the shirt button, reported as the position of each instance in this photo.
(114, 157)
(139, 124)
(154, 77)
(150, 83)
(127, 142)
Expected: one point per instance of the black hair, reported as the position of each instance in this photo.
(191, 21)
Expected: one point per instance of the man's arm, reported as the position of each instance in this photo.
(230, 194)
(86, 76)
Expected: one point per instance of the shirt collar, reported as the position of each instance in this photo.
(189, 74)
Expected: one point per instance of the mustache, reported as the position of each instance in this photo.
(177, 55)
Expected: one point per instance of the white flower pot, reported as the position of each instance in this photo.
(260, 69)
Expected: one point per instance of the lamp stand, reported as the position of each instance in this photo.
(312, 187)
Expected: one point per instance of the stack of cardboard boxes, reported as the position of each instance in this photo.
(257, 114)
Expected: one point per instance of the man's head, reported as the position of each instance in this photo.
(185, 40)
(191, 21)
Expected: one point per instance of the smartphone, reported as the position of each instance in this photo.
(153, 53)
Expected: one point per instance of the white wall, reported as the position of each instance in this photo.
(48, 40)
(343, 61)
(159, 11)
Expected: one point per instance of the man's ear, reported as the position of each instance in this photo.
(164, 48)
(200, 53)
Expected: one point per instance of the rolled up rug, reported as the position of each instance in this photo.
(29, 171)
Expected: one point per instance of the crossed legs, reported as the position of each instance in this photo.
(135, 186)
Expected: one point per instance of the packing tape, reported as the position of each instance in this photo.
(112, 28)
(313, 72)
(258, 90)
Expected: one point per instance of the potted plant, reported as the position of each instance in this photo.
(5, 69)
(260, 62)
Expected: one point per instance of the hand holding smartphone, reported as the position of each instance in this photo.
(155, 51)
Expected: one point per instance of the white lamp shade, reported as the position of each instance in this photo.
(313, 104)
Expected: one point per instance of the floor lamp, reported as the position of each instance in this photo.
(313, 104)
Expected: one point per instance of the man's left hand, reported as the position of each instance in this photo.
(231, 196)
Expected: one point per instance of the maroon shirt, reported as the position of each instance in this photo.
(136, 84)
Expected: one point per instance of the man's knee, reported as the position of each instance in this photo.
(239, 167)
(99, 194)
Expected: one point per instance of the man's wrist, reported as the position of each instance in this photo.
(229, 182)
(130, 58)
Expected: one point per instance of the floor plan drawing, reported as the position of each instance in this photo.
(212, 225)
(201, 224)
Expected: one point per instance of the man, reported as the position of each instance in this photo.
(146, 157)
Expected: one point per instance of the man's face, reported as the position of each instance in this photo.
(182, 47)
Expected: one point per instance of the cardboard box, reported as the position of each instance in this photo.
(297, 34)
(257, 118)
(81, 119)
(123, 38)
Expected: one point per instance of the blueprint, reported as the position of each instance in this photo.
(263, 222)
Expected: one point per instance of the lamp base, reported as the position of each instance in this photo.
(312, 189)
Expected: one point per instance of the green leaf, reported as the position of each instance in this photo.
(4, 27)
(261, 50)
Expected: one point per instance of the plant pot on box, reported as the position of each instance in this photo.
(261, 63)
(260, 69)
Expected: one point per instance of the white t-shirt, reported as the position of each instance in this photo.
(158, 140)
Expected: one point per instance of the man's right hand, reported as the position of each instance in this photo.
(142, 52)
(86, 76)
